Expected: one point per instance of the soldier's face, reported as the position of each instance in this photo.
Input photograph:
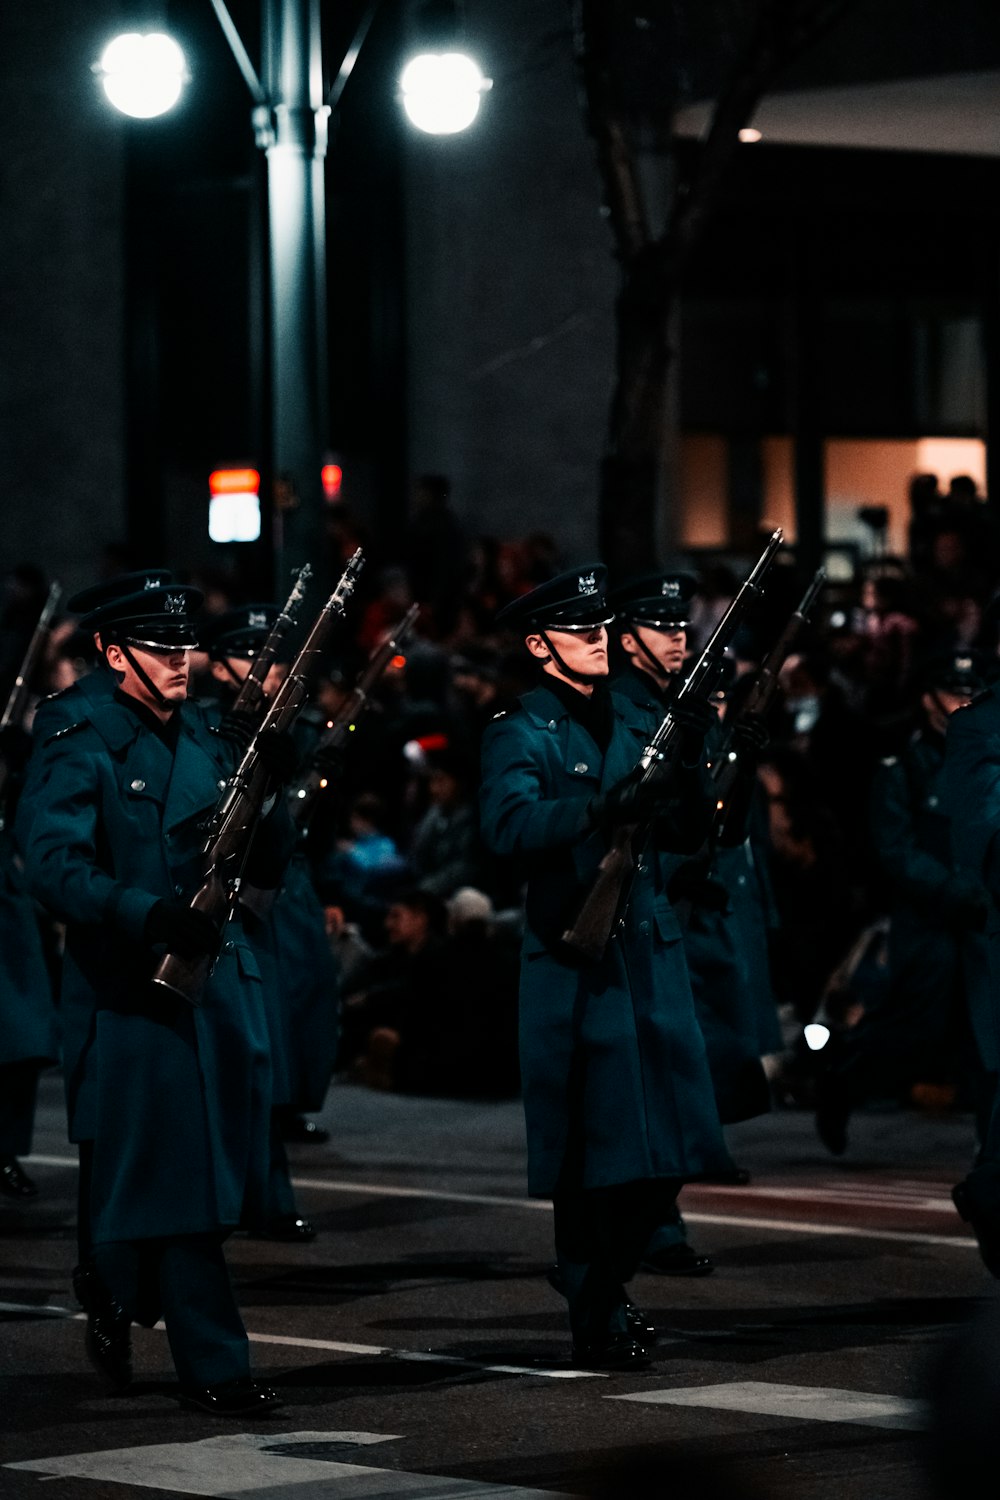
(236, 668)
(166, 670)
(666, 644)
(584, 651)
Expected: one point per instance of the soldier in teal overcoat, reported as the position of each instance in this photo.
(971, 799)
(28, 1039)
(937, 914)
(617, 1094)
(174, 1098)
(287, 931)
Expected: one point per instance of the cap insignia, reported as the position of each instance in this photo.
(670, 588)
(256, 619)
(587, 583)
(963, 663)
(151, 583)
(174, 604)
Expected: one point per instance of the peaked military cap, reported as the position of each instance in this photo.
(161, 618)
(119, 587)
(655, 599)
(958, 672)
(571, 601)
(239, 632)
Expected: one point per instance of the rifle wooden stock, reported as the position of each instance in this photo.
(17, 699)
(250, 698)
(606, 902)
(302, 796)
(242, 801)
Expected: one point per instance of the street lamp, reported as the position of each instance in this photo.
(142, 75)
(290, 119)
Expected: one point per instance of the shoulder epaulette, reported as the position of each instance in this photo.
(508, 713)
(60, 734)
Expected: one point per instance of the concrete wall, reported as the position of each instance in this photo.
(510, 289)
(61, 338)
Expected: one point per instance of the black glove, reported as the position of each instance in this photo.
(628, 801)
(694, 718)
(186, 932)
(328, 760)
(238, 728)
(278, 754)
(15, 747)
(750, 737)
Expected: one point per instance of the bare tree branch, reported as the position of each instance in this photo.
(616, 157)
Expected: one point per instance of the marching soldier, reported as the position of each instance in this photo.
(972, 800)
(288, 935)
(936, 916)
(713, 893)
(27, 1015)
(174, 1099)
(617, 1094)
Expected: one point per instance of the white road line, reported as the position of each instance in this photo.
(693, 1216)
(415, 1357)
(812, 1403)
(247, 1463)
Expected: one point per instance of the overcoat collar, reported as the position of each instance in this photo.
(186, 783)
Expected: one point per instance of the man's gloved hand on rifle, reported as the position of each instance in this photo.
(185, 931)
(279, 754)
(694, 718)
(238, 728)
(693, 881)
(630, 800)
(750, 737)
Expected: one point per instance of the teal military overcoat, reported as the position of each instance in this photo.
(614, 1073)
(971, 799)
(727, 957)
(27, 1013)
(175, 1099)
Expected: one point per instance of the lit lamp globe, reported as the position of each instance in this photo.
(142, 75)
(442, 92)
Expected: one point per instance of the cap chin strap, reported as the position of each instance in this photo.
(587, 678)
(659, 670)
(237, 679)
(143, 676)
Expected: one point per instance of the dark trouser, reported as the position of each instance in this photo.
(982, 1185)
(18, 1087)
(184, 1280)
(280, 1193)
(601, 1235)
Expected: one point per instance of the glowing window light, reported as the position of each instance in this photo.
(442, 91)
(142, 75)
(234, 505)
(749, 135)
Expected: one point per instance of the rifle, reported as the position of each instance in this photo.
(17, 701)
(726, 767)
(250, 698)
(606, 903)
(235, 819)
(302, 795)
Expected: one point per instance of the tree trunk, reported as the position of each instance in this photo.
(632, 466)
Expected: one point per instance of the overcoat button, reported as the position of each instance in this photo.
(581, 768)
(178, 890)
(552, 724)
(643, 928)
(138, 785)
(932, 802)
(222, 786)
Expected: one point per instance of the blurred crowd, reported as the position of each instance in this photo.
(425, 926)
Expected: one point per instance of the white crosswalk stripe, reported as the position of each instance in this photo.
(803, 1402)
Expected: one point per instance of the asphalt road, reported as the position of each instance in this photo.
(420, 1351)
